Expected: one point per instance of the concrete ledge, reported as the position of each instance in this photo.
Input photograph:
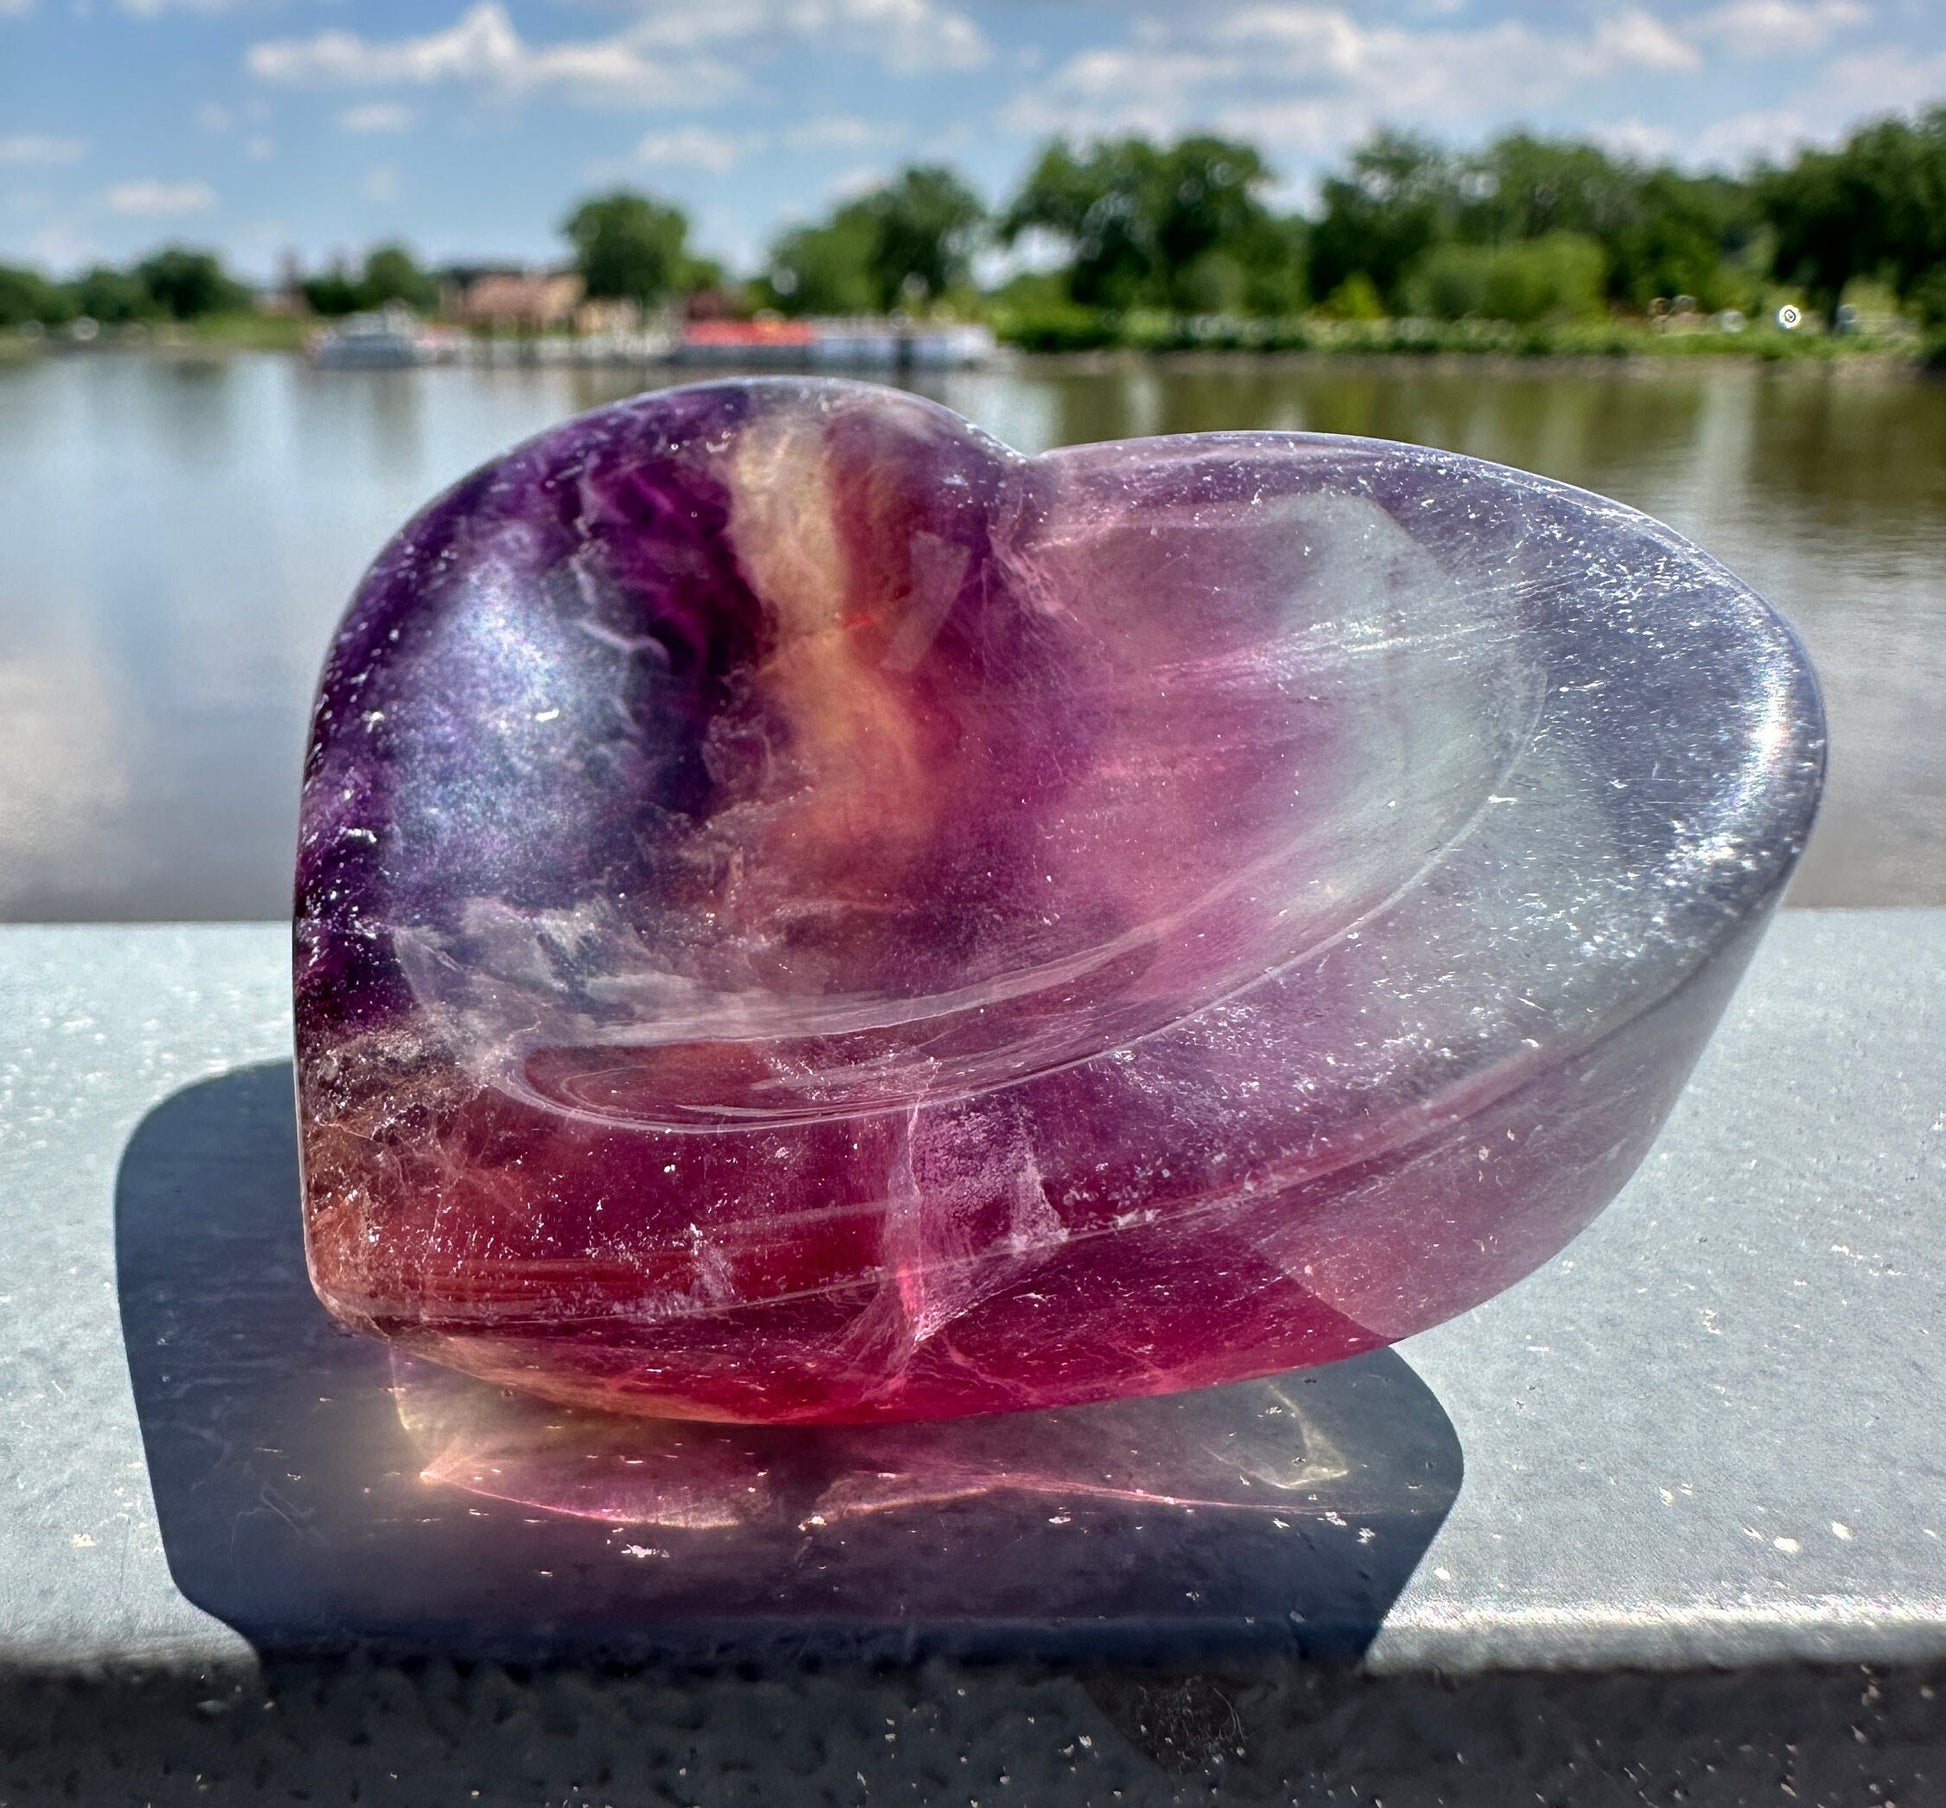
(1708, 1435)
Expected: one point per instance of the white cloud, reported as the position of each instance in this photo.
(1872, 82)
(1845, 92)
(1636, 39)
(40, 148)
(671, 53)
(15, 9)
(858, 181)
(161, 199)
(376, 116)
(381, 184)
(697, 147)
(153, 9)
(1312, 78)
(701, 147)
(1736, 142)
(1725, 144)
(213, 116)
(841, 132)
(908, 37)
(482, 49)
(1639, 139)
(950, 143)
(1759, 28)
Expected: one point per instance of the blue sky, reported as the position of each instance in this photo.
(467, 126)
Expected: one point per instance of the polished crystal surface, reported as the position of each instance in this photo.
(806, 914)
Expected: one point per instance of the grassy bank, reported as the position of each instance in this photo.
(1075, 331)
(1084, 330)
(244, 332)
(214, 332)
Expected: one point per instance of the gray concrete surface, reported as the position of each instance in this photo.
(1708, 1434)
(1694, 1558)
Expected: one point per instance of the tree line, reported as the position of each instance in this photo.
(174, 283)
(1527, 229)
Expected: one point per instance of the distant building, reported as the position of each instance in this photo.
(512, 301)
(598, 319)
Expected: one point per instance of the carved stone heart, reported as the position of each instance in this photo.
(806, 914)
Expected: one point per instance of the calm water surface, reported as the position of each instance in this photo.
(178, 537)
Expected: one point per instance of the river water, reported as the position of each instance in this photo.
(179, 534)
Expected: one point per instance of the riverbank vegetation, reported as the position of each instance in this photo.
(1529, 244)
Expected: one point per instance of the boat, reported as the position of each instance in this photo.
(746, 343)
(389, 338)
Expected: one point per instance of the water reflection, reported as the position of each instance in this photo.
(178, 536)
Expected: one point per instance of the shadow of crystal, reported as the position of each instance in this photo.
(316, 1491)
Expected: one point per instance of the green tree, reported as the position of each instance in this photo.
(26, 296)
(1182, 226)
(1398, 197)
(631, 247)
(1876, 206)
(902, 244)
(827, 268)
(1523, 187)
(392, 273)
(334, 292)
(186, 284)
(1276, 256)
(1087, 202)
(927, 223)
(1684, 235)
(1660, 232)
(114, 297)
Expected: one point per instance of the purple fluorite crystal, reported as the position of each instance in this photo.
(806, 914)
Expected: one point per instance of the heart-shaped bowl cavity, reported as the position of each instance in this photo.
(806, 913)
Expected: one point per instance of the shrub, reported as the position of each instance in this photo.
(1058, 326)
(1356, 298)
(1927, 298)
(1554, 278)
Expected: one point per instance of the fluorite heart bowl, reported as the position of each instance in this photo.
(804, 913)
